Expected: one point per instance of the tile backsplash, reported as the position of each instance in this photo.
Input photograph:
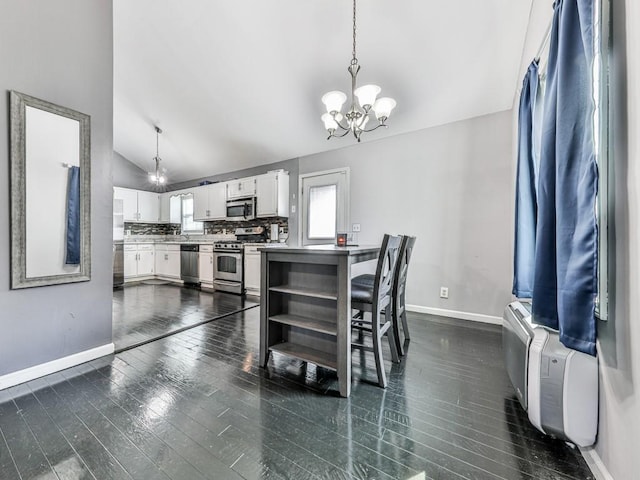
(131, 228)
(215, 227)
(220, 226)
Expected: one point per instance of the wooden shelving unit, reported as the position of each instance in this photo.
(321, 326)
(306, 354)
(305, 305)
(306, 292)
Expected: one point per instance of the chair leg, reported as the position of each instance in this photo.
(405, 327)
(395, 326)
(393, 340)
(403, 317)
(377, 353)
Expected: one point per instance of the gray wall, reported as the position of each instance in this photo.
(62, 52)
(452, 187)
(128, 175)
(619, 338)
(290, 166)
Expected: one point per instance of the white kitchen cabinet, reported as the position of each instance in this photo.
(209, 202)
(168, 261)
(130, 261)
(146, 260)
(138, 205)
(148, 207)
(252, 269)
(129, 199)
(170, 208)
(241, 188)
(272, 195)
(205, 265)
(139, 261)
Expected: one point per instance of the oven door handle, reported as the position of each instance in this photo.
(225, 282)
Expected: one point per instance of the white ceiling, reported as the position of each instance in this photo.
(237, 83)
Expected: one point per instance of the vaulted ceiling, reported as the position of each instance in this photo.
(238, 83)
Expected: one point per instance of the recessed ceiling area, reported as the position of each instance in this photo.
(238, 84)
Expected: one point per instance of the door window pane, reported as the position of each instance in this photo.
(322, 211)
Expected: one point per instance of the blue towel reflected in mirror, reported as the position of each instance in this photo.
(73, 217)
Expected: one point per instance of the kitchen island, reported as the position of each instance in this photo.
(305, 304)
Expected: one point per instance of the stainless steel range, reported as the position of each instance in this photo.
(228, 273)
(228, 259)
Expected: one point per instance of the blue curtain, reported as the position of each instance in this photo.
(565, 280)
(526, 202)
(73, 217)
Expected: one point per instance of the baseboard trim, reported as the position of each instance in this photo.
(37, 371)
(596, 464)
(474, 317)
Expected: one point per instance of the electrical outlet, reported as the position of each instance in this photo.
(444, 292)
(293, 209)
(355, 227)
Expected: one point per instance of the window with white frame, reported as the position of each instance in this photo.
(189, 225)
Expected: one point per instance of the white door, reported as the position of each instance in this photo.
(148, 207)
(205, 260)
(201, 203)
(130, 263)
(266, 196)
(146, 260)
(218, 201)
(252, 269)
(325, 206)
(129, 203)
(173, 264)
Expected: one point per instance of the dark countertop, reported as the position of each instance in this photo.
(322, 249)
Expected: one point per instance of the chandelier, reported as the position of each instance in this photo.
(357, 116)
(158, 176)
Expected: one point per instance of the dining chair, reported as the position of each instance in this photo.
(376, 299)
(398, 313)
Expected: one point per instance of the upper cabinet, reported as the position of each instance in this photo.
(241, 188)
(272, 195)
(138, 205)
(170, 208)
(148, 207)
(210, 202)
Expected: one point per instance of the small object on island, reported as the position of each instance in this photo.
(341, 239)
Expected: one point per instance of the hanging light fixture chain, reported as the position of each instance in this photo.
(364, 105)
(354, 60)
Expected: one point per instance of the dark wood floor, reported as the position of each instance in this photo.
(143, 312)
(195, 405)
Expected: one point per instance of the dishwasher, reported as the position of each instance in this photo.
(189, 263)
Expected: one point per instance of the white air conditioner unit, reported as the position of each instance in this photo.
(557, 386)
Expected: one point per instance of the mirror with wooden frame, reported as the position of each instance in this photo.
(50, 193)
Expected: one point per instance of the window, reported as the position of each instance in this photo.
(322, 212)
(188, 224)
(324, 205)
(602, 39)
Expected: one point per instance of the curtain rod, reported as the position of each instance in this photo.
(546, 38)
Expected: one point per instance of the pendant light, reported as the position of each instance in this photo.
(158, 176)
(356, 118)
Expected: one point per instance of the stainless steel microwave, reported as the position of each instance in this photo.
(242, 209)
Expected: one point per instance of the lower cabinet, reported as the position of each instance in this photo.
(139, 261)
(205, 266)
(252, 269)
(168, 261)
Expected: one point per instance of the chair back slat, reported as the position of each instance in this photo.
(386, 267)
(402, 265)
